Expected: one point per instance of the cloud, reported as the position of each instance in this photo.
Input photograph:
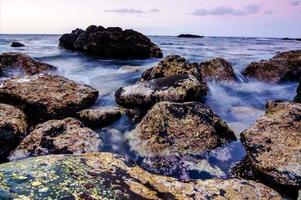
(269, 12)
(223, 11)
(125, 11)
(295, 3)
(154, 11)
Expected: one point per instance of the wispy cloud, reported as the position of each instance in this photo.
(154, 11)
(131, 11)
(295, 3)
(224, 10)
(269, 12)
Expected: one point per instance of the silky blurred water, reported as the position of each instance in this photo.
(239, 103)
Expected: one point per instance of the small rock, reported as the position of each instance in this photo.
(17, 44)
(13, 128)
(66, 136)
(177, 88)
(23, 62)
(178, 129)
(190, 36)
(131, 69)
(298, 97)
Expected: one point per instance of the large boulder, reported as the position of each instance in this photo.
(67, 136)
(178, 129)
(273, 143)
(17, 44)
(47, 96)
(284, 66)
(108, 176)
(13, 128)
(177, 88)
(23, 62)
(112, 42)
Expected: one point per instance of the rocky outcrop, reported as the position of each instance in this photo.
(217, 69)
(112, 42)
(22, 62)
(108, 176)
(284, 66)
(179, 129)
(189, 36)
(17, 44)
(298, 97)
(273, 143)
(47, 96)
(13, 128)
(66, 136)
(177, 88)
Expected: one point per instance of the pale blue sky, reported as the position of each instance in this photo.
(275, 18)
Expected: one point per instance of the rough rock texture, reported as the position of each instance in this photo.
(108, 176)
(169, 66)
(177, 88)
(178, 129)
(112, 42)
(22, 62)
(47, 96)
(284, 66)
(273, 143)
(17, 44)
(12, 128)
(217, 69)
(66, 136)
(189, 36)
(99, 117)
(298, 97)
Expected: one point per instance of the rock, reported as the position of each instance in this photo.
(131, 69)
(273, 143)
(47, 96)
(67, 136)
(298, 97)
(99, 117)
(169, 66)
(108, 176)
(17, 44)
(217, 69)
(189, 36)
(22, 62)
(112, 42)
(178, 129)
(177, 88)
(295, 39)
(284, 66)
(13, 128)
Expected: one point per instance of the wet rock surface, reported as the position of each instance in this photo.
(285, 66)
(189, 36)
(178, 129)
(112, 42)
(23, 62)
(47, 96)
(67, 136)
(273, 143)
(17, 44)
(298, 97)
(177, 88)
(13, 128)
(108, 176)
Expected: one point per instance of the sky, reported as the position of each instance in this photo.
(265, 18)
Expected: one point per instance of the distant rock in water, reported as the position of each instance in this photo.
(296, 39)
(190, 36)
(284, 66)
(112, 42)
(17, 44)
(23, 62)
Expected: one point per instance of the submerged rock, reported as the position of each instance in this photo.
(273, 143)
(177, 88)
(47, 96)
(284, 66)
(179, 128)
(17, 44)
(217, 69)
(112, 42)
(66, 136)
(13, 128)
(189, 36)
(108, 176)
(22, 62)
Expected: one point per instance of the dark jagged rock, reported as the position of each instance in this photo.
(177, 88)
(66, 136)
(284, 66)
(108, 176)
(273, 143)
(12, 128)
(47, 96)
(298, 97)
(294, 39)
(179, 129)
(189, 36)
(112, 42)
(17, 44)
(22, 62)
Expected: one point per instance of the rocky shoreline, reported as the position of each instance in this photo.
(51, 119)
